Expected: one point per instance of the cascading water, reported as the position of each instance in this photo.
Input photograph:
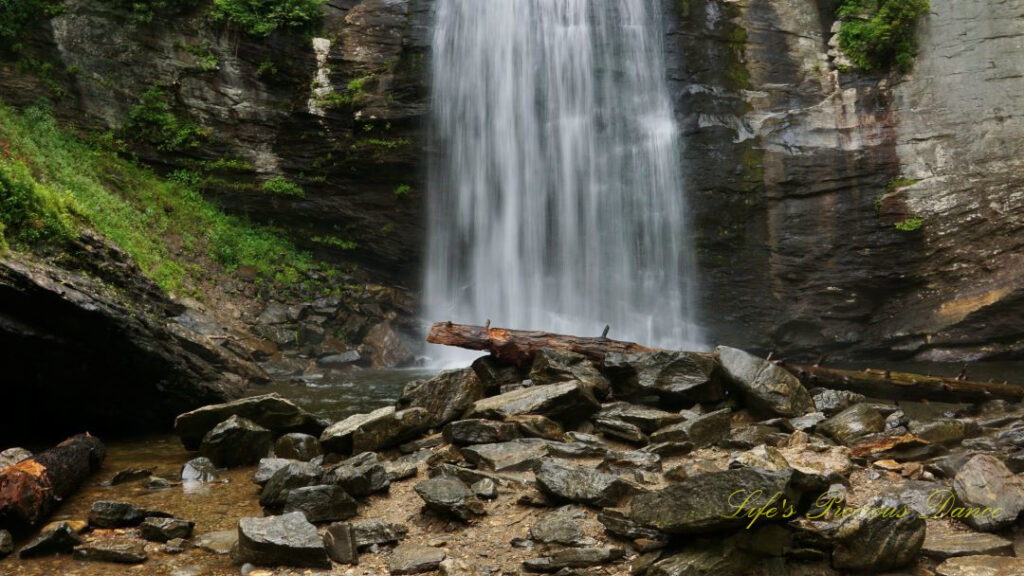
(556, 199)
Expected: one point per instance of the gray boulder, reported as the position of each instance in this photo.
(370, 532)
(764, 386)
(360, 475)
(573, 558)
(337, 437)
(287, 540)
(581, 484)
(995, 494)
(834, 401)
(445, 396)
(109, 514)
(114, 550)
(293, 475)
(59, 538)
(679, 377)
(321, 503)
(703, 430)
(415, 559)
(450, 496)
(479, 431)
(236, 442)
(199, 469)
(297, 446)
(340, 542)
(870, 542)
(560, 526)
(270, 411)
(981, 565)
(164, 529)
(568, 401)
(551, 366)
(522, 454)
(645, 418)
(853, 424)
(267, 468)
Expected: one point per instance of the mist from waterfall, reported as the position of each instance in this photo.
(555, 195)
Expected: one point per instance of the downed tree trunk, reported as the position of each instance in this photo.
(31, 489)
(519, 346)
(904, 385)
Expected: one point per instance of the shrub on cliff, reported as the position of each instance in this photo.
(877, 35)
(261, 17)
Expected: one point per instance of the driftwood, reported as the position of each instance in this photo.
(518, 347)
(31, 489)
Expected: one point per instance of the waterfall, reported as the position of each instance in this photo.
(555, 195)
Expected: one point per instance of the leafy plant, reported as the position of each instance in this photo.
(879, 34)
(32, 213)
(909, 224)
(403, 190)
(335, 242)
(14, 14)
(144, 11)
(262, 17)
(267, 69)
(154, 121)
(283, 187)
(205, 59)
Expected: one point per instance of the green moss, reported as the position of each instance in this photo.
(14, 14)
(898, 183)
(144, 11)
(353, 92)
(31, 212)
(153, 121)
(281, 186)
(334, 242)
(909, 224)
(267, 69)
(206, 61)
(878, 35)
(43, 71)
(403, 190)
(262, 17)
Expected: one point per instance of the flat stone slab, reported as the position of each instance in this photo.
(286, 540)
(522, 454)
(115, 550)
(415, 559)
(569, 400)
(981, 566)
(942, 541)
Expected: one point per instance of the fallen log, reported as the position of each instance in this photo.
(519, 346)
(31, 489)
(904, 385)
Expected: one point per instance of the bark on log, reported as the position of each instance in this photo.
(31, 489)
(519, 346)
(904, 385)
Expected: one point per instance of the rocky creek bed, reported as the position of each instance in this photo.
(647, 463)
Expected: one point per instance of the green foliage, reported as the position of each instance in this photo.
(43, 71)
(205, 59)
(282, 186)
(153, 121)
(335, 242)
(51, 179)
(898, 183)
(261, 17)
(144, 11)
(14, 14)
(267, 69)
(353, 91)
(883, 40)
(909, 224)
(403, 190)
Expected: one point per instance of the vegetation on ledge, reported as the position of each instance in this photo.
(51, 183)
(262, 17)
(878, 35)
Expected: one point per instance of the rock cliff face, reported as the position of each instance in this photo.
(798, 172)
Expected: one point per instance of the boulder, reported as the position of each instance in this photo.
(58, 538)
(115, 550)
(560, 526)
(631, 461)
(703, 430)
(981, 565)
(567, 482)
(678, 377)
(853, 424)
(370, 532)
(646, 418)
(485, 488)
(340, 542)
(164, 529)
(6, 544)
(569, 401)
(297, 446)
(360, 475)
(199, 469)
(537, 426)
(479, 431)
(834, 401)
(941, 541)
(379, 429)
(342, 360)
(716, 501)
(321, 503)
(385, 348)
(270, 411)
(130, 475)
(706, 558)
(236, 442)
(515, 455)
(267, 468)
(618, 523)
(445, 396)
(415, 559)
(287, 540)
(494, 374)
(885, 537)
(108, 514)
(993, 495)
(573, 558)
(551, 366)
(764, 386)
(292, 476)
(220, 542)
(944, 430)
(12, 456)
(764, 457)
(615, 428)
(450, 496)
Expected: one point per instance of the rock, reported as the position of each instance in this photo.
(267, 468)
(340, 542)
(702, 503)
(59, 539)
(559, 527)
(370, 532)
(941, 542)
(679, 377)
(878, 542)
(645, 418)
(981, 565)
(1015, 462)
(746, 437)
(12, 456)
(130, 475)
(763, 385)
(485, 488)
(286, 540)
(236, 442)
(343, 360)
(633, 460)
(385, 348)
(453, 567)
(537, 426)
(615, 428)
(494, 374)
(360, 475)
(573, 558)
(944, 430)
(450, 496)
(164, 529)
(445, 396)
(378, 429)
(618, 523)
(565, 481)
(174, 546)
(853, 424)
(402, 469)
(116, 550)
(764, 457)
(706, 559)
(834, 401)
(269, 411)
(986, 485)
(6, 544)
(292, 476)
(569, 401)
(551, 366)
(666, 449)
(108, 514)
(478, 431)
(199, 469)
(415, 559)
(522, 454)
(220, 542)
(807, 421)
(321, 503)
(701, 431)
(297, 446)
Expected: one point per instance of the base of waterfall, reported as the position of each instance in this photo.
(647, 462)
